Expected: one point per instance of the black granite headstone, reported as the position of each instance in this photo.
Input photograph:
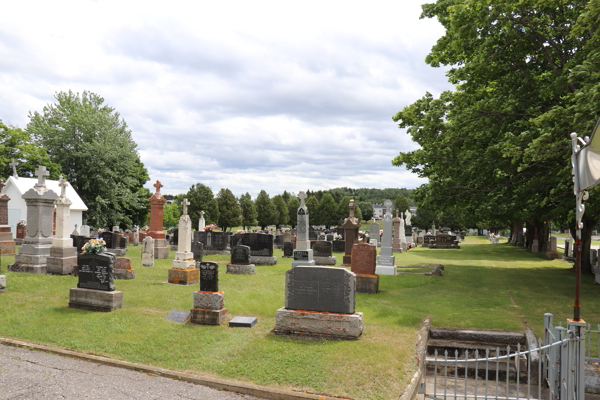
(110, 239)
(96, 271)
(339, 246)
(288, 249)
(209, 276)
(261, 244)
(79, 241)
(123, 242)
(198, 250)
(322, 249)
(329, 238)
(215, 241)
(312, 235)
(240, 255)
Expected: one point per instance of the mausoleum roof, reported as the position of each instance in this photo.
(24, 184)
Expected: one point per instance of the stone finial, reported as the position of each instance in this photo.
(351, 208)
(186, 203)
(14, 164)
(302, 197)
(158, 185)
(397, 213)
(202, 214)
(41, 173)
(63, 186)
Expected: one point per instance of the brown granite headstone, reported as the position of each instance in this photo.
(364, 259)
(158, 213)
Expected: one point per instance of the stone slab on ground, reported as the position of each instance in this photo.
(243, 322)
(95, 300)
(28, 268)
(319, 325)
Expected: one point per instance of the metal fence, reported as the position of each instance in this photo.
(553, 371)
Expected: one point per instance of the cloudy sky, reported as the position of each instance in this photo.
(246, 95)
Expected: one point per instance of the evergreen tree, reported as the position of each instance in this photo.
(265, 210)
(201, 199)
(313, 210)
(229, 209)
(248, 210)
(293, 205)
(328, 211)
(282, 211)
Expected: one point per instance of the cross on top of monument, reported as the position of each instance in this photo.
(2, 186)
(185, 204)
(202, 214)
(388, 205)
(158, 185)
(63, 186)
(302, 197)
(14, 164)
(42, 173)
(397, 213)
(351, 208)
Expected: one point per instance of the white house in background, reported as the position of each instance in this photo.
(17, 208)
(379, 211)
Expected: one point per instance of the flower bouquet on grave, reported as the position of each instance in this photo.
(22, 223)
(94, 246)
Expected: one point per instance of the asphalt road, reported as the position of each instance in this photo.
(30, 374)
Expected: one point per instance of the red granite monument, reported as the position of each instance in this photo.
(157, 232)
(351, 225)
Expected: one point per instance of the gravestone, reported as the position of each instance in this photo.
(201, 222)
(322, 253)
(183, 269)
(209, 303)
(123, 268)
(329, 296)
(7, 244)
(148, 252)
(396, 241)
(351, 225)
(95, 290)
(198, 250)
(444, 241)
(240, 261)
(209, 276)
(288, 249)
(261, 247)
(63, 256)
(339, 246)
(35, 250)
(386, 261)
(374, 231)
(303, 255)
(364, 263)
(213, 242)
(84, 230)
(156, 231)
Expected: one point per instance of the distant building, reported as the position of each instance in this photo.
(379, 211)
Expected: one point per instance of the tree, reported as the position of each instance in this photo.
(282, 211)
(15, 143)
(400, 204)
(293, 205)
(313, 210)
(248, 210)
(342, 209)
(328, 211)
(96, 152)
(171, 215)
(201, 199)
(265, 210)
(367, 209)
(229, 209)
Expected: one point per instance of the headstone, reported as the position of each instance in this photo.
(198, 250)
(329, 238)
(7, 244)
(183, 269)
(386, 261)
(374, 231)
(84, 230)
(288, 249)
(110, 238)
(242, 322)
(240, 255)
(201, 222)
(209, 276)
(63, 256)
(396, 241)
(351, 225)
(261, 244)
(148, 252)
(136, 237)
(364, 259)
(213, 242)
(38, 241)
(123, 242)
(303, 255)
(322, 253)
(96, 271)
(339, 246)
(116, 229)
(553, 244)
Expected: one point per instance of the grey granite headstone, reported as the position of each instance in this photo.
(198, 250)
(322, 249)
(327, 289)
(288, 249)
(240, 255)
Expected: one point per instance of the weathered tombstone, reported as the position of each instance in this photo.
(123, 268)
(303, 255)
(535, 246)
(95, 290)
(386, 261)
(322, 253)
(136, 237)
(209, 302)
(240, 261)
(63, 256)
(396, 242)
(2, 283)
(201, 222)
(148, 252)
(351, 225)
(183, 269)
(329, 294)
(7, 244)
(374, 231)
(38, 241)
(288, 249)
(123, 242)
(84, 230)
(364, 263)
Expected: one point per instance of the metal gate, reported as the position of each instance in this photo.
(553, 371)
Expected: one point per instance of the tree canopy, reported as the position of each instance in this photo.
(229, 209)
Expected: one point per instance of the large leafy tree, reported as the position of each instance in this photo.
(496, 149)
(312, 203)
(201, 198)
(95, 150)
(171, 215)
(17, 144)
(265, 210)
(248, 210)
(229, 209)
(400, 204)
(328, 211)
(282, 211)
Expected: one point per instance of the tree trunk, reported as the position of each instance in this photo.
(586, 239)
(531, 232)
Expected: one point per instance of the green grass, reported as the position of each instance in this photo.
(484, 286)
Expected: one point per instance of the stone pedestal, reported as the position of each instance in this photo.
(319, 324)
(161, 249)
(7, 244)
(184, 276)
(63, 255)
(208, 308)
(303, 258)
(367, 283)
(62, 261)
(95, 300)
(331, 260)
(241, 269)
(2, 283)
(263, 260)
(123, 269)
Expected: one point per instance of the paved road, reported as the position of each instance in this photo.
(29, 374)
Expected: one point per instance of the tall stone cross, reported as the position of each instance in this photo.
(388, 207)
(302, 197)
(42, 173)
(397, 213)
(185, 204)
(14, 164)
(158, 185)
(63, 186)
(202, 214)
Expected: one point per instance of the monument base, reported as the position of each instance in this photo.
(443, 246)
(184, 276)
(174, 247)
(241, 269)
(325, 260)
(347, 260)
(28, 268)
(2, 283)
(124, 273)
(119, 252)
(95, 300)
(313, 324)
(367, 283)
(216, 252)
(147, 260)
(19, 241)
(385, 269)
(8, 247)
(310, 263)
(161, 253)
(208, 317)
(263, 260)
(62, 261)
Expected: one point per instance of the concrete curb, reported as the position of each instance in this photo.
(421, 353)
(222, 384)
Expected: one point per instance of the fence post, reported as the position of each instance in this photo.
(578, 328)
(563, 368)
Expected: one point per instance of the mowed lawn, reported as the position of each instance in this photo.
(484, 286)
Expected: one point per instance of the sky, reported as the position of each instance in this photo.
(245, 95)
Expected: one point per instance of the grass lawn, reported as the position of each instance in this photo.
(484, 286)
